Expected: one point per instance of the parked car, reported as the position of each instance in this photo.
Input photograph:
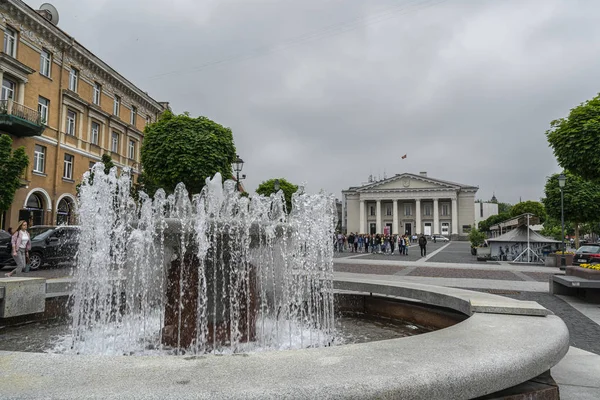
(49, 245)
(439, 238)
(588, 254)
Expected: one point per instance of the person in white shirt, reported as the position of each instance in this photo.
(21, 244)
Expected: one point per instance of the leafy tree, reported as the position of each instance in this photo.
(484, 226)
(504, 208)
(179, 148)
(268, 187)
(476, 237)
(533, 207)
(581, 199)
(12, 166)
(108, 163)
(574, 140)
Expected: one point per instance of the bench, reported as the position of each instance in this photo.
(569, 285)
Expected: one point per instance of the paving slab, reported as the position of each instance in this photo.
(577, 375)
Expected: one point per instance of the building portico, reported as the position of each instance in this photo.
(410, 203)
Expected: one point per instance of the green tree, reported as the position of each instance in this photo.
(179, 148)
(574, 140)
(533, 207)
(504, 208)
(108, 163)
(484, 226)
(268, 187)
(581, 199)
(12, 166)
(476, 237)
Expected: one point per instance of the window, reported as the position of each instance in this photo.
(427, 209)
(132, 149)
(372, 209)
(97, 93)
(68, 167)
(133, 115)
(95, 132)
(73, 76)
(39, 159)
(8, 89)
(114, 147)
(408, 209)
(388, 210)
(10, 42)
(43, 105)
(71, 120)
(45, 62)
(116, 105)
(445, 210)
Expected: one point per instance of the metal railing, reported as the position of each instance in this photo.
(11, 107)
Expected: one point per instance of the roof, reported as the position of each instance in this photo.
(519, 235)
(423, 178)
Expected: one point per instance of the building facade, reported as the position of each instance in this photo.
(67, 108)
(412, 204)
(484, 210)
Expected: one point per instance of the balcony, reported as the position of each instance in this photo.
(19, 120)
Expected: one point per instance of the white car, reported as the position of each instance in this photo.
(439, 238)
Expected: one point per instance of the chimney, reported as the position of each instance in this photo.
(423, 173)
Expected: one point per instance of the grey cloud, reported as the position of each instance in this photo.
(466, 89)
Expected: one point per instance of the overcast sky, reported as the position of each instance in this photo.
(328, 92)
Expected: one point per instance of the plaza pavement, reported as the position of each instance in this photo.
(451, 264)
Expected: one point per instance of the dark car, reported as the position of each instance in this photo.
(49, 245)
(588, 254)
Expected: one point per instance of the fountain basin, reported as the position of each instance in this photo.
(501, 344)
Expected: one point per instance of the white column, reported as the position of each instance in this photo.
(418, 217)
(362, 217)
(395, 229)
(436, 217)
(454, 217)
(378, 216)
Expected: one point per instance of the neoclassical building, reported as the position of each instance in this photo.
(410, 203)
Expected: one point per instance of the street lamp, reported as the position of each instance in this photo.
(238, 164)
(562, 179)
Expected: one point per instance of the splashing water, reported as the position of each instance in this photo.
(263, 276)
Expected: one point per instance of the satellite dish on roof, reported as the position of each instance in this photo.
(50, 13)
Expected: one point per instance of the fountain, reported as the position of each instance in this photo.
(223, 274)
(215, 273)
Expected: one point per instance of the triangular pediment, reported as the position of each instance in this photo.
(408, 181)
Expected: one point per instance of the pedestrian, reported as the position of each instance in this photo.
(351, 242)
(406, 244)
(401, 244)
(9, 231)
(392, 244)
(423, 245)
(21, 244)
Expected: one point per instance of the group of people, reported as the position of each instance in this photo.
(376, 243)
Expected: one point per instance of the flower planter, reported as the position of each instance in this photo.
(550, 261)
(568, 259)
(585, 273)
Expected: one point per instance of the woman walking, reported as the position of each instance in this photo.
(21, 244)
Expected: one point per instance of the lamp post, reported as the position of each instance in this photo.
(238, 164)
(561, 184)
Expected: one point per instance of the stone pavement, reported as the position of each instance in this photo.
(453, 265)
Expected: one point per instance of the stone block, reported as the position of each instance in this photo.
(22, 296)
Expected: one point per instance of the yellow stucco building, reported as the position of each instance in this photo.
(67, 108)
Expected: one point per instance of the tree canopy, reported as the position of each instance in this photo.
(268, 187)
(484, 226)
(574, 140)
(581, 199)
(179, 148)
(12, 166)
(533, 207)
